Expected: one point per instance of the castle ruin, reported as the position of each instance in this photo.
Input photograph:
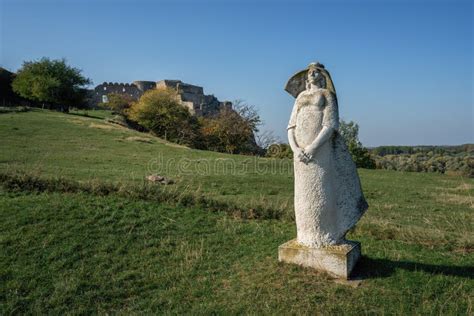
(190, 96)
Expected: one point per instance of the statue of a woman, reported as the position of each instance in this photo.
(328, 196)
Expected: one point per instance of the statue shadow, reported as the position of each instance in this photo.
(369, 268)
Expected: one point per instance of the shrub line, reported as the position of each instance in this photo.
(22, 182)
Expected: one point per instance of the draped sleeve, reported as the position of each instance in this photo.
(292, 122)
(331, 112)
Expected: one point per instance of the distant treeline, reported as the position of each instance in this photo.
(398, 150)
(456, 160)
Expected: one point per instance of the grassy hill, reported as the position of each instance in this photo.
(68, 248)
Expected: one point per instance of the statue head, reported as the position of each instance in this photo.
(315, 74)
(315, 77)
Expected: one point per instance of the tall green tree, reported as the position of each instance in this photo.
(52, 82)
(361, 156)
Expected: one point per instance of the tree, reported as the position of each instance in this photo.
(160, 111)
(117, 102)
(266, 138)
(232, 129)
(248, 113)
(51, 81)
(361, 156)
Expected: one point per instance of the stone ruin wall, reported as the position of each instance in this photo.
(100, 92)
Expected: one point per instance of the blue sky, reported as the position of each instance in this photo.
(402, 69)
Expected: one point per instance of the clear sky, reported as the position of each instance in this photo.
(403, 70)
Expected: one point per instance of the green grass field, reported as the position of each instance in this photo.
(86, 252)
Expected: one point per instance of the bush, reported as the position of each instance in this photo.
(160, 111)
(119, 103)
(228, 132)
(281, 151)
(361, 156)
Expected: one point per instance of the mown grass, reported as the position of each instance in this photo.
(81, 253)
(82, 233)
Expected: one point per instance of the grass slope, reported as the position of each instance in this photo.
(84, 148)
(82, 252)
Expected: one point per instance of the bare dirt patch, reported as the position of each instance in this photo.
(140, 139)
(77, 121)
(103, 126)
(457, 199)
(463, 187)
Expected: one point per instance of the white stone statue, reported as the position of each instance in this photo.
(328, 195)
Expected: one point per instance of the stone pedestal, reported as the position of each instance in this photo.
(337, 261)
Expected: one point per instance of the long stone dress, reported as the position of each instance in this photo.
(328, 196)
